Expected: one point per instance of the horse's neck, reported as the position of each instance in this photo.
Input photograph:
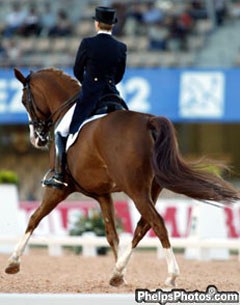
(62, 101)
(61, 96)
(58, 88)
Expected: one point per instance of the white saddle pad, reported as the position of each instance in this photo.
(72, 137)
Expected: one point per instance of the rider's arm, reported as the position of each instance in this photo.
(122, 65)
(80, 61)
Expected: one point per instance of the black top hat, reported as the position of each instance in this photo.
(105, 15)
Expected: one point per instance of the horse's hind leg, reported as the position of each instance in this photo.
(51, 199)
(140, 231)
(173, 269)
(154, 220)
(143, 226)
(106, 204)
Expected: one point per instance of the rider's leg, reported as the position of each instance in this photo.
(84, 108)
(69, 124)
(57, 180)
(61, 134)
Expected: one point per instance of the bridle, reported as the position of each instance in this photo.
(42, 127)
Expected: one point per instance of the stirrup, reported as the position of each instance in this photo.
(54, 182)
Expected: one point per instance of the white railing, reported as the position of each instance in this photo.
(147, 242)
(66, 299)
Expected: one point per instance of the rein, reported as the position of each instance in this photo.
(72, 100)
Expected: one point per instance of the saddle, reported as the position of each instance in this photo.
(106, 104)
(109, 103)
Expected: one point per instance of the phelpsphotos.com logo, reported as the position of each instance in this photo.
(211, 295)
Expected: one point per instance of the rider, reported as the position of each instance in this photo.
(100, 65)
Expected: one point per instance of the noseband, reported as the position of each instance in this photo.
(42, 127)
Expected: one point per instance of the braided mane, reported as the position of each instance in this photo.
(61, 74)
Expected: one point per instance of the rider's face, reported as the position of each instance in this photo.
(97, 26)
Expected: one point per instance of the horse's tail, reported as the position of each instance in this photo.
(175, 174)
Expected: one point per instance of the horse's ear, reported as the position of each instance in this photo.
(18, 74)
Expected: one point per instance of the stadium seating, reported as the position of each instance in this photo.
(60, 51)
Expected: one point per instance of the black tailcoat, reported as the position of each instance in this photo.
(100, 65)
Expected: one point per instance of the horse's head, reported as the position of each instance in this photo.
(38, 123)
(46, 96)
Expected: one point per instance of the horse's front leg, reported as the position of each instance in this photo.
(51, 199)
(14, 260)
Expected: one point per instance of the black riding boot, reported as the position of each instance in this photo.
(57, 180)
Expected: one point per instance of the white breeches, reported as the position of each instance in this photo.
(64, 125)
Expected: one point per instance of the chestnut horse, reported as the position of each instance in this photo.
(126, 151)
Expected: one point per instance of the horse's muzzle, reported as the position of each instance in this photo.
(40, 143)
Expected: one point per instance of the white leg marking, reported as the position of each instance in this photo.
(173, 269)
(120, 267)
(19, 249)
(124, 258)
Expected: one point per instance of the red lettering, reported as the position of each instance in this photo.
(170, 218)
(123, 215)
(232, 232)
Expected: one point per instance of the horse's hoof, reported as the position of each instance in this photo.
(171, 282)
(117, 281)
(12, 268)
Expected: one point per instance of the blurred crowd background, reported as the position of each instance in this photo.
(160, 33)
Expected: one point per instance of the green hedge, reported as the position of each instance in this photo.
(8, 177)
